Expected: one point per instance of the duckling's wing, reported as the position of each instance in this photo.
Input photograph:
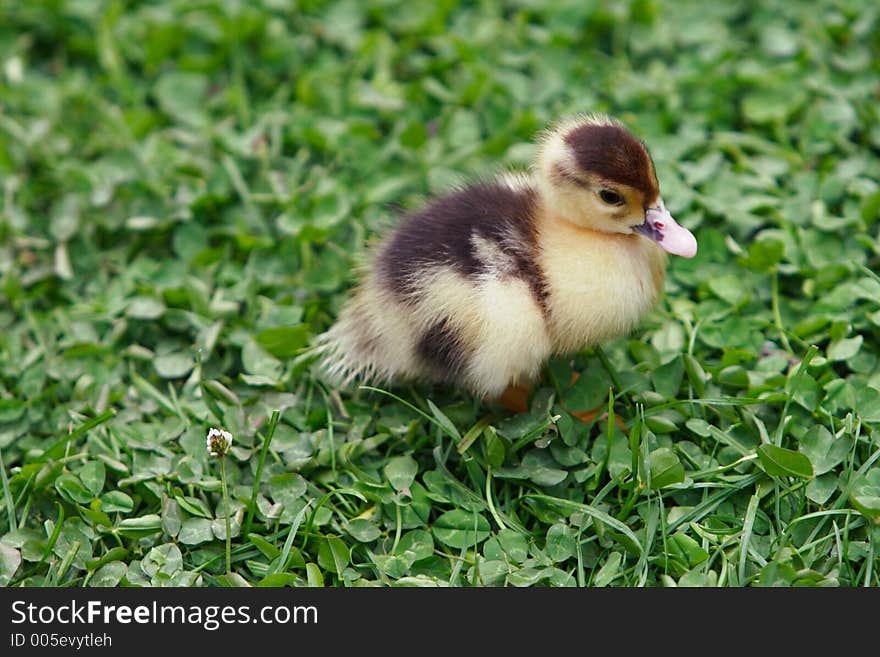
(466, 267)
(454, 294)
(450, 232)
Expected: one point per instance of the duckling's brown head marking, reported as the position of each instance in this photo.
(613, 153)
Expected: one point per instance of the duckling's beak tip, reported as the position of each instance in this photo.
(668, 233)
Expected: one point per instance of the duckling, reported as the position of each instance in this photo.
(483, 285)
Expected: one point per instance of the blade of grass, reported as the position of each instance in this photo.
(56, 532)
(264, 450)
(472, 434)
(748, 524)
(58, 447)
(594, 513)
(777, 315)
(714, 501)
(489, 502)
(790, 385)
(321, 502)
(281, 563)
(412, 407)
(7, 496)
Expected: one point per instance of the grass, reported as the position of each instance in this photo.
(187, 187)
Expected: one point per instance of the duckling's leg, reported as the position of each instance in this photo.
(516, 398)
(589, 416)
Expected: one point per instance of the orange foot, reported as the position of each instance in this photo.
(516, 398)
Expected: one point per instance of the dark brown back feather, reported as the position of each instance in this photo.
(441, 234)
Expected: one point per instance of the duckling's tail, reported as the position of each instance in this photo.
(347, 350)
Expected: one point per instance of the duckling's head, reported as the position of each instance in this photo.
(596, 174)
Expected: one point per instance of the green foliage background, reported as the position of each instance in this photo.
(187, 186)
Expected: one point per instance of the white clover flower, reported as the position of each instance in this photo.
(218, 441)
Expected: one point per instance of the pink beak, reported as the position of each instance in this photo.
(663, 229)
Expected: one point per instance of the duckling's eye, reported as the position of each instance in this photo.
(611, 197)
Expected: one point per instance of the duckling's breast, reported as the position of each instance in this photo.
(599, 286)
